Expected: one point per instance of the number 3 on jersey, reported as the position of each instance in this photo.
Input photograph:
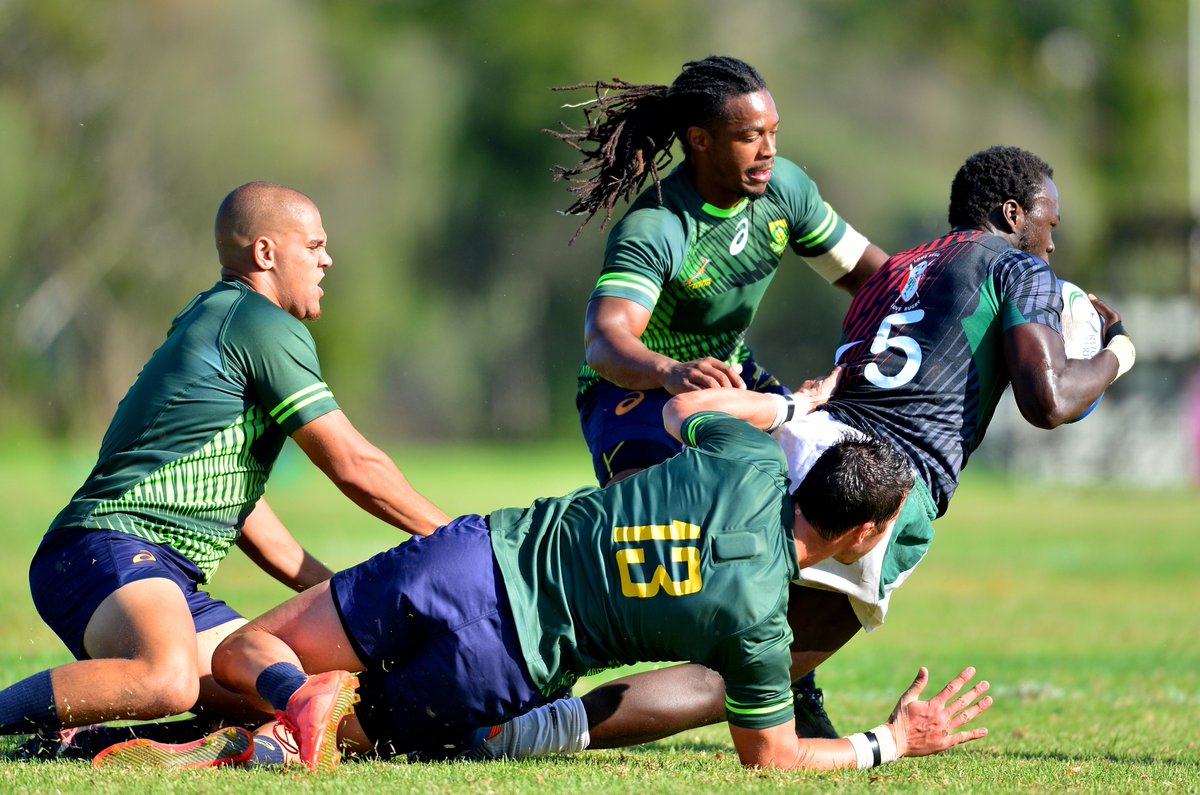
(631, 560)
(884, 339)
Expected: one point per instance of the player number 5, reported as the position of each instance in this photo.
(906, 345)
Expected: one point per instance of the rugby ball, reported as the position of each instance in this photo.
(1082, 329)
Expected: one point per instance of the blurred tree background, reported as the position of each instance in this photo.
(455, 306)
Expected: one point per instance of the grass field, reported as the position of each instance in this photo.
(1082, 607)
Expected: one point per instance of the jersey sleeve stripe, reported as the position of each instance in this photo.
(822, 232)
(690, 426)
(630, 281)
(287, 402)
(736, 708)
(326, 395)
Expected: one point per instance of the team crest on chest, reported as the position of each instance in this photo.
(699, 280)
(778, 231)
(913, 283)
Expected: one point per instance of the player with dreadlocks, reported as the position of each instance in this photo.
(686, 268)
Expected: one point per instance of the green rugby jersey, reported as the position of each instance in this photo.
(701, 270)
(191, 444)
(688, 560)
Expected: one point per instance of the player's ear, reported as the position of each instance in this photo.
(263, 251)
(1012, 215)
(698, 139)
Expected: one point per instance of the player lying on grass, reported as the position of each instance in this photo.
(930, 344)
(686, 267)
(489, 617)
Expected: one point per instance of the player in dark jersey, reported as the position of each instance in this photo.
(689, 559)
(180, 480)
(930, 344)
(686, 268)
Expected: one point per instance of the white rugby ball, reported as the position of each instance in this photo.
(1082, 329)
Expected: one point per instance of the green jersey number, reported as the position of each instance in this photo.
(632, 559)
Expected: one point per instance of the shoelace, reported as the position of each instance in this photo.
(286, 737)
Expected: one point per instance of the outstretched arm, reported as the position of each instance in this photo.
(762, 410)
(613, 347)
(1051, 389)
(268, 543)
(872, 259)
(916, 728)
(366, 475)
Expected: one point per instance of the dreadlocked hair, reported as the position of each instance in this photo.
(629, 130)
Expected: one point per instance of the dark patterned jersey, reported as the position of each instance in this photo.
(687, 560)
(190, 447)
(922, 347)
(701, 270)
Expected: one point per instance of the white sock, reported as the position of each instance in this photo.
(559, 727)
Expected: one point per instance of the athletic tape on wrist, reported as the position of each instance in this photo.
(785, 409)
(863, 755)
(874, 748)
(1122, 347)
(887, 743)
(1114, 330)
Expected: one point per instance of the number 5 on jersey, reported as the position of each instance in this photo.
(883, 340)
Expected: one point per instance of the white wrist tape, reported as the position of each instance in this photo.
(785, 409)
(1122, 347)
(874, 748)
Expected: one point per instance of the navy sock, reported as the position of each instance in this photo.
(278, 682)
(28, 706)
(806, 682)
(267, 751)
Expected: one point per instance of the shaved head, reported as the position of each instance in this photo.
(254, 209)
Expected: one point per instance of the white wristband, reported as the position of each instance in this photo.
(876, 747)
(887, 743)
(864, 757)
(785, 409)
(1122, 347)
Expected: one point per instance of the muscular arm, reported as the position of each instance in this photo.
(871, 261)
(1049, 388)
(268, 543)
(366, 475)
(757, 408)
(919, 728)
(613, 347)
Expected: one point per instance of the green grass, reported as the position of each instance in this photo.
(1079, 605)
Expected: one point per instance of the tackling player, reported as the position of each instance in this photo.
(180, 480)
(689, 559)
(687, 266)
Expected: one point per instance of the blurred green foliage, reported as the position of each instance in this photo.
(455, 306)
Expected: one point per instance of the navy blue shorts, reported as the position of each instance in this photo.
(74, 570)
(431, 620)
(624, 429)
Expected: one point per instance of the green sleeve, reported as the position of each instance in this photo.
(756, 669)
(278, 358)
(815, 226)
(726, 436)
(644, 252)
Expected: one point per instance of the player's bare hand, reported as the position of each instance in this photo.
(703, 373)
(929, 727)
(819, 390)
(1107, 313)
